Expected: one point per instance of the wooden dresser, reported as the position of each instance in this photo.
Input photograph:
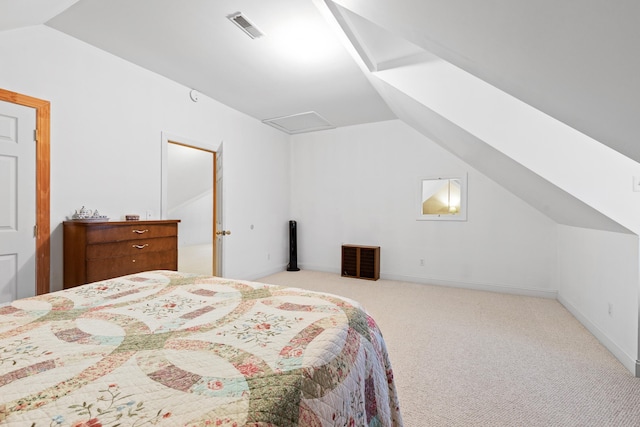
(102, 250)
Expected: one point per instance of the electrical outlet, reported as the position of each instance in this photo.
(636, 183)
(268, 257)
(421, 262)
(149, 214)
(610, 309)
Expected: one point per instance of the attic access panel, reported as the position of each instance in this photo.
(300, 123)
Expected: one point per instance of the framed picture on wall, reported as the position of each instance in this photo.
(443, 198)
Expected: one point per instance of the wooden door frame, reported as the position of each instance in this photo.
(43, 170)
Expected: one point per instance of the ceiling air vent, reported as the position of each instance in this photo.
(246, 26)
(299, 123)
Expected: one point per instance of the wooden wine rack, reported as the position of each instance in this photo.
(362, 262)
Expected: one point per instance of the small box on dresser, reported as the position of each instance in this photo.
(102, 250)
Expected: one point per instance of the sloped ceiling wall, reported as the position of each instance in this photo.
(557, 204)
(424, 32)
(575, 60)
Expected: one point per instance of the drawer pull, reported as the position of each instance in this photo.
(140, 246)
(140, 231)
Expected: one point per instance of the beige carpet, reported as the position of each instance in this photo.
(196, 259)
(471, 358)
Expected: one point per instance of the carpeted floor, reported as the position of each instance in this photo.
(196, 258)
(472, 358)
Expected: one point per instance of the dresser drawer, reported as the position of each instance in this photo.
(130, 247)
(100, 269)
(108, 233)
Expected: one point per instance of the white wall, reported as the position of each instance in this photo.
(189, 192)
(196, 226)
(360, 185)
(107, 116)
(598, 270)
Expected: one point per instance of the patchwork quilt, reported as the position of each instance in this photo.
(165, 348)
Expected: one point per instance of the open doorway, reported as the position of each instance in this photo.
(189, 194)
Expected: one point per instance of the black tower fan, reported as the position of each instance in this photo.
(293, 250)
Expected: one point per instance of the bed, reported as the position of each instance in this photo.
(174, 349)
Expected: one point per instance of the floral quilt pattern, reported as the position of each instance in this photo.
(163, 348)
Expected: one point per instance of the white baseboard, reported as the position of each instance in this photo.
(274, 270)
(627, 361)
(477, 286)
(319, 268)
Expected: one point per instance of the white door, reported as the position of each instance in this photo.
(17, 202)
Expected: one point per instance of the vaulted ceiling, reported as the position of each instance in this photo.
(575, 60)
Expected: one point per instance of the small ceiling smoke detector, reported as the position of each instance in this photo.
(299, 123)
(245, 25)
